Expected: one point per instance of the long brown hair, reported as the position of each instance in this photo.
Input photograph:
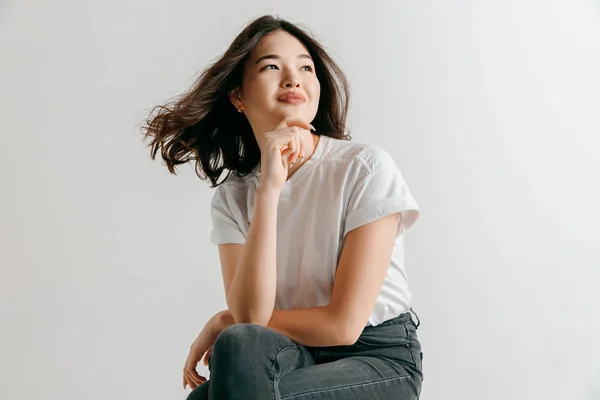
(202, 124)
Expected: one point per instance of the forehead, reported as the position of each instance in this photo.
(281, 43)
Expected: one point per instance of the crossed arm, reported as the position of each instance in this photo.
(361, 270)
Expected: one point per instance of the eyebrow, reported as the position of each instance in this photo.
(275, 56)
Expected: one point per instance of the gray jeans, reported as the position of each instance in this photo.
(251, 362)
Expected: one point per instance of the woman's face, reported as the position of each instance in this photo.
(279, 64)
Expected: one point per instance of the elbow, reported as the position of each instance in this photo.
(349, 337)
(242, 314)
(252, 318)
(351, 329)
(346, 329)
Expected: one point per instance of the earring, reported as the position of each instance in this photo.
(240, 110)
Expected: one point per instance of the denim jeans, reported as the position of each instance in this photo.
(252, 362)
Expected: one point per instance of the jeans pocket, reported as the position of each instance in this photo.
(397, 342)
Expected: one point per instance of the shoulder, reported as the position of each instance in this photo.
(364, 156)
(233, 189)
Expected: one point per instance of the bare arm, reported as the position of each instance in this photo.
(251, 294)
(361, 270)
(360, 273)
(315, 326)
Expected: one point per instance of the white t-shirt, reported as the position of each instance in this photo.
(343, 185)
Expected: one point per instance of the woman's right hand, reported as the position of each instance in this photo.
(279, 148)
(201, 346)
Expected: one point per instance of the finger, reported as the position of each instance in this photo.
(301, 151)
(286, 155)
(191, 384)
(300, 123)
(285, 161)
(291, 121)
(196, 377)
(294, 155)
(298, 147)
(194, 380)
(283, 123)
(292, 145)
(197, 381)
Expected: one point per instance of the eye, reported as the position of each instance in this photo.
(310, 68)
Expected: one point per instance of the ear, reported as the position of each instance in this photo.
(236, 99)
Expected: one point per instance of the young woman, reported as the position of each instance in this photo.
(309, 227)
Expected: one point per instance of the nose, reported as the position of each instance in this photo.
(290, 82)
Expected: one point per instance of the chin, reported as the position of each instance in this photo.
(289, 112)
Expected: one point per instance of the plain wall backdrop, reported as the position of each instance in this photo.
(491, 110)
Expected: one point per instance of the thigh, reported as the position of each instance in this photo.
(384, 363)
(351, 378)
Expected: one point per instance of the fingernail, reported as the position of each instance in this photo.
(313, 128)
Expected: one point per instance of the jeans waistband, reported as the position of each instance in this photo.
(402, 318)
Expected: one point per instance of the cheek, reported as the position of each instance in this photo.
(315, 91)
(255, 92)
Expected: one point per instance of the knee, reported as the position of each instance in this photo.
(199, 393)
(240, 337)
(241, 332)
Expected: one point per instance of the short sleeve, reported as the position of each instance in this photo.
(380, 190)
(225, 229)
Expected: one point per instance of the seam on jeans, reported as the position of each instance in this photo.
(275, 377)
(412, 356)
(303, 356)
(346, 387)
(410, 347)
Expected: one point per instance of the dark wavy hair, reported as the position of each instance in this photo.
(203, 125)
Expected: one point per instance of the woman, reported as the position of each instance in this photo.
(309, 227)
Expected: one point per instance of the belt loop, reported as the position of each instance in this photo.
(416, 316)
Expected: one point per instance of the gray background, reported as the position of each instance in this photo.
(491, 110)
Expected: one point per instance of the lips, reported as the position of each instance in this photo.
(292, 97)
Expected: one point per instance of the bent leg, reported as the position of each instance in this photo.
(247, 361)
